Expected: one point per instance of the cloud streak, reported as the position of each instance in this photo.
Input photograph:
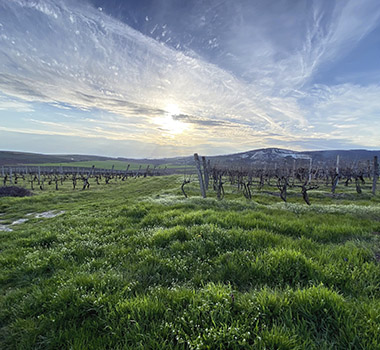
(246, 82)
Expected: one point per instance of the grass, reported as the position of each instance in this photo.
(99, 164)
(136, 266)
(107, 164)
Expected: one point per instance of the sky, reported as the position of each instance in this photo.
(164, 78)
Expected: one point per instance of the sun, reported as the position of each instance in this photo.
(169, 123)
(172, 109)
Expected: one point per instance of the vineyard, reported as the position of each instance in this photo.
(287, 178)
(40, 177)
(282, 181)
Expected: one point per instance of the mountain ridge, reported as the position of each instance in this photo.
(261, 155)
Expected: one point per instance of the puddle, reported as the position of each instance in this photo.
(19, 221)
(5, 228)
(48, 214)
(44, 215)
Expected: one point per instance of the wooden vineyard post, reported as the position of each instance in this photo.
(337, 164)
(39, 175)
(200, 177)
(126, 173)
(10, 176)
(293, 171)
(220, 190)
(2, 171)
(205, 172)
(375, 174)
(310, 165)
(61, 174)
(336, 178)
(146, 171)
(369, 169)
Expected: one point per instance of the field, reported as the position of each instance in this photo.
(100, 164)
(117, 164)
(17, 159)
(135, 265)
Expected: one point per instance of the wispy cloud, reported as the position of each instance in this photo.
(202, 121)
(15, 105)
(251, 80)
(346, 110)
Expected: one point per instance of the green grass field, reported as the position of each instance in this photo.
(107, 164)
(135, 265)
(99, 164)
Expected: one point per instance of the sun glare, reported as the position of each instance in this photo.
(172, 109)
(168, 123)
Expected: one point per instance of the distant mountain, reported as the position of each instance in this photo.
(253, 157)
(262, 155)
(280, 156)
(18, 158)
(346, 156)
(25, 158)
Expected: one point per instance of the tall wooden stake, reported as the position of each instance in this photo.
(336, 178)
(200, 177)
(369, 169)
(375, 174)
(205, 172)
(294, 170)
(310, 165)
(337, 165)
(10, 176)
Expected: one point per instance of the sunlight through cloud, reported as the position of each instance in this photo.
(168, 124)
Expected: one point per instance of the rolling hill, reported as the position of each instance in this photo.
(259, 156)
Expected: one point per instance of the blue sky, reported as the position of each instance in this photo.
(157, 78)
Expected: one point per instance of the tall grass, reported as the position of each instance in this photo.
(136, 266)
